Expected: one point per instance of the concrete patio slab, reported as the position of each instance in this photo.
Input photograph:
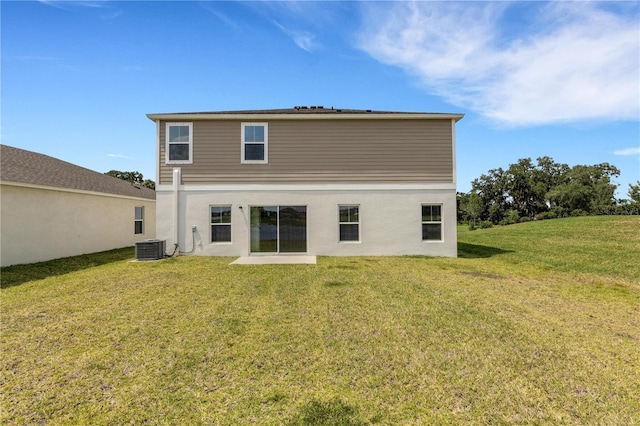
(275, 260)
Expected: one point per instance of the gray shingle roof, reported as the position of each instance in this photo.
(304, 112)
(21, 166)
(300, 110)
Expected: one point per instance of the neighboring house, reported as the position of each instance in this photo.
(51, 209)
(309, 180)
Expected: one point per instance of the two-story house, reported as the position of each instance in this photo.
(307, 180)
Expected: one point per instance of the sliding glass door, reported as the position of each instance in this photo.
(293, 229)
(264, 229)
(278, 229)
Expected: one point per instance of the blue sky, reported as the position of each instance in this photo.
(558, 79)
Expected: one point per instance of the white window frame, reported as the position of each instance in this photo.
(168, 143)
(136, 220)
(432, 222)
(230, 224)
(340, 223)
(265, 160)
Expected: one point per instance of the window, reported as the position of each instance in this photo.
(220, 224)
(179, 149)
(138, 220)
(349, 223)
(255, 140)
(431, 222)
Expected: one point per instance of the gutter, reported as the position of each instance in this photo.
(272, 116)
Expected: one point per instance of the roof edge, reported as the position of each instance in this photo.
(74, 190)
(243, 115)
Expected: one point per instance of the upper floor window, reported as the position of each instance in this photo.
(431, 222)
(255, 141)
(179, 149)
(138, 220)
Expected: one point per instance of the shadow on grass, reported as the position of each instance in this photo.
(329, 413)
(337, 283)
(11, 276)
(475, 251)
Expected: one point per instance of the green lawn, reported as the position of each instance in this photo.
(535, 323)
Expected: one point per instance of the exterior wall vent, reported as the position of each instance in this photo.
(150, 249)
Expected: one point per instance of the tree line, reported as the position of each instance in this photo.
(133, 177)
(544, 190)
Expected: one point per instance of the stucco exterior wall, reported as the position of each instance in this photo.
(390, 217)
(40, 224)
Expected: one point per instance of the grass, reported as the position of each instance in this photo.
(534, 323)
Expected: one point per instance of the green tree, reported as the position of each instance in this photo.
(133, 177)
(549, 172)
(634, 193)
(586, 188)
(492, 190)
(474, 206)
(529, 184)
(148, 183)
(525, 189)
(529, 190)
(548, 175)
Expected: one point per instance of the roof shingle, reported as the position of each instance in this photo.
(22, 166)
(299, 110)
(306, 111)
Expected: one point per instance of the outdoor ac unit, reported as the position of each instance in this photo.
(150, 249)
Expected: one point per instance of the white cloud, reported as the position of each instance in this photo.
(213, 7)
(122, 156)
(303, 39)
(628, 151)
(83, 3)
(105, 8)
(557, 62)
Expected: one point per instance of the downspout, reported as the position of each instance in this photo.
(455, 185)
(453, 153)
(177, 177)
(157, 153)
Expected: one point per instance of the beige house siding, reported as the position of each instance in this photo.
(40, 223)
(319, 151)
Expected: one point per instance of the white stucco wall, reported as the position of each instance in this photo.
(390, 217)
(39, 224)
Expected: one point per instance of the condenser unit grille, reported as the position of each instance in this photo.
(150, 249)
